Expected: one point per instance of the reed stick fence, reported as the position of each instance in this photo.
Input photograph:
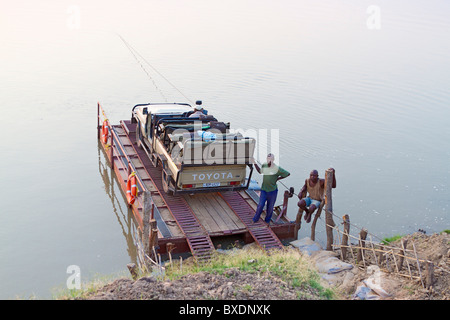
(403, 260)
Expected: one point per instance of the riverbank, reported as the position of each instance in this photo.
(249, 274)
(241, 274)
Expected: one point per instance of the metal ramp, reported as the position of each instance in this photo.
(263, 235)
(125, 155)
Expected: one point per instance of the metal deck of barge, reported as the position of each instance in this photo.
(189, 222)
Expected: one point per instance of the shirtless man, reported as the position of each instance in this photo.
(312, 193)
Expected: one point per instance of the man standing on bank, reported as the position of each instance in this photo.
(269, 190)
(312, 193)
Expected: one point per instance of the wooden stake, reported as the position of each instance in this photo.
(351, 251)
(313, 224)
(388, 266)
(344, 242)
(298, 222)
(362, 244)
(329, 208)
(133, 270)
(155, 256)
(338, 240)
(407, 262)
(418, 264)
(404, 243)
(381, 255)
(153, 234)
(430, 274)
(395, 260)
(170, 246)
(153, 211)
(146, 221)
(373, 250)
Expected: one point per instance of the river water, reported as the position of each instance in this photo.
(360, 86)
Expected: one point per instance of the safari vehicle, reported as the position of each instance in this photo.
(197, 154)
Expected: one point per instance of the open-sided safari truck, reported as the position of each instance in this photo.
(197, 154)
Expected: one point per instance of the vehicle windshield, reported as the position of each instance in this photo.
(169, 109)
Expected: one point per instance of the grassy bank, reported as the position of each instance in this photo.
(288, 265)
(294, 272)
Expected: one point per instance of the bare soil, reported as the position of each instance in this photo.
(233, 284)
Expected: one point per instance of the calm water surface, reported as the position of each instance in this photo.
(361, 86)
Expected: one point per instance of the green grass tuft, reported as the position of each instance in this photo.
(391, 239)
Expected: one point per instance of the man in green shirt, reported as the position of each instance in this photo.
(269, 190)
